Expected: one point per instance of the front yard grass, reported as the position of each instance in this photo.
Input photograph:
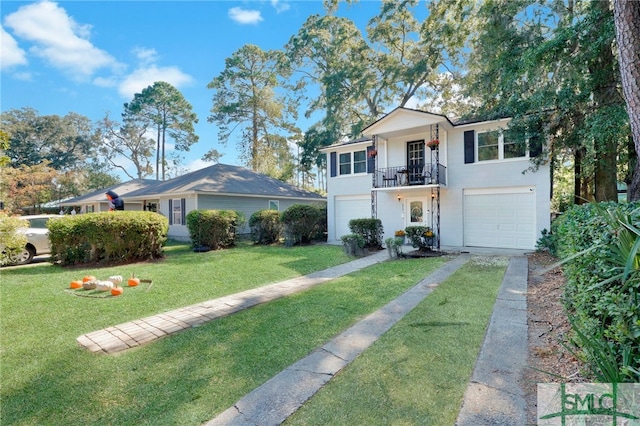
(417, 372)
(191, 376)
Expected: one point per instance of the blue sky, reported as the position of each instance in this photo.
(90, 57)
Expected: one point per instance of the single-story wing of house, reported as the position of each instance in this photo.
(472, 183)
(217, 187)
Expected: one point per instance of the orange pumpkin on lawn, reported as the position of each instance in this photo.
(76, 284)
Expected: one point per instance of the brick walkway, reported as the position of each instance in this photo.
(138, 332)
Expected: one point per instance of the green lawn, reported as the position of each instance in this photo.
(417, 372)
(189, 377)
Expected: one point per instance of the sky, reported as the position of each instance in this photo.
(90, 57)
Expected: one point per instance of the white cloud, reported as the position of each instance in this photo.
(146, 76)
(243, 16)
(145, 56)
(58, 39)
(280, 6)
(10, 54)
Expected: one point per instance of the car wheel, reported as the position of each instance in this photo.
(24, 257)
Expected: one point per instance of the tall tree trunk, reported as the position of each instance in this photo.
(627, 19)
(577, 176)
(605, 93)
(158, 154)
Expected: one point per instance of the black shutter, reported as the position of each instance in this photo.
(333, 165)
(371, 159)
(535, 146)
(170, 212)
(183, 207)
(469, 146)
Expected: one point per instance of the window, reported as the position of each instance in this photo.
(488, 146)
(345, 164)
(274, 205)
(497, 145)
(358, 165)
(176, 212)
(512, 149)
(360, 162)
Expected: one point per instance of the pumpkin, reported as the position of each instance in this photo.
(89, 285)
(88, 278)
(104, 285)
(116, 279)
(117, 291)
(76, 284)
(133, 281)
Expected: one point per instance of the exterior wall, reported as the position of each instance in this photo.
(358, 185)
(246, 205)
(499, 174)
(493, 176)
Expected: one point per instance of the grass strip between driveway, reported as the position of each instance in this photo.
(417, 372)
(187, 378)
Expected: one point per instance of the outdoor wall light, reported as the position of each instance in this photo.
(398, 197)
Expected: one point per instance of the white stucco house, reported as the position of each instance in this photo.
(475, 189)
(217, 187)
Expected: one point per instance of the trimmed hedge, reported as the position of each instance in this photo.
(107, 237)
(304, 223)
(266, 227)
(12, 242)
(370, 229)
(602, 297)
(213, 229)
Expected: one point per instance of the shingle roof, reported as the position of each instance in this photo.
(122, 189)
(225, 179)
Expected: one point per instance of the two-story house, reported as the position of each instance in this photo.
(471, 183)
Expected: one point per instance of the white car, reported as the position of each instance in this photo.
(37, 238)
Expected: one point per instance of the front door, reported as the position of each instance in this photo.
(417, 212)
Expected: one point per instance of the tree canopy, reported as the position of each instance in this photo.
(164, 109)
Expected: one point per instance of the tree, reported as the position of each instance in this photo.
(4, 145)
(163, 108)
(627, 24)
(248, 97)
(551, 67)
(128, 141)
(28, 186)
(65, 142)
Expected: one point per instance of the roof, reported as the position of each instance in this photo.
(122, 189)
(224, 179)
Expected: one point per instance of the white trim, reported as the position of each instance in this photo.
(499, 190)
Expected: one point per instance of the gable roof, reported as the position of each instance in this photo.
(408, 118)
(225, 179)
(122, 189)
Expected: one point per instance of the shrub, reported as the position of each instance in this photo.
(212, 228)
(353, 244)
(602, 266)
(421, 237)
(106, 237)
(303, 223)
(11, 241)
(266, 227)
(370, 229)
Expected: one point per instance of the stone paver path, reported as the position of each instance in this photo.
(138, 332)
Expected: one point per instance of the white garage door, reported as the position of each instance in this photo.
(353, 208)
(503, 219)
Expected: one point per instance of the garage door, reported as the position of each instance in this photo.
(504, 219)
(352, 208)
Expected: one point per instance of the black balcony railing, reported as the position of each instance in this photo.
(425, 174)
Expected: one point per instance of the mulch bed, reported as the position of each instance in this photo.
(549, 329)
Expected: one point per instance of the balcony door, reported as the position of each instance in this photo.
(415, 162)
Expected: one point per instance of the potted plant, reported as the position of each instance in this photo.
(394, 245)
(353, 244)
(433, 143)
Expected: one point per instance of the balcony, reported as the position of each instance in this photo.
(425, 174)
